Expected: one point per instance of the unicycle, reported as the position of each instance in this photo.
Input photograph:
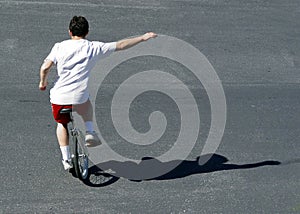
(79, 152)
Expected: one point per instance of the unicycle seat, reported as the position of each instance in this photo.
(66, 110)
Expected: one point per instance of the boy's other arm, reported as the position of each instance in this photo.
(44, 71)
(128, 43)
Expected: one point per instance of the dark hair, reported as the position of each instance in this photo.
(79, 26)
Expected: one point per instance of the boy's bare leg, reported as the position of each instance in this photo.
(63, 141)
(62, 134)
(85, 110)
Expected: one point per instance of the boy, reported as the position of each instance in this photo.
(74, 59)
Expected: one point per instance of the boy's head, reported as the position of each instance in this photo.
(79, 26)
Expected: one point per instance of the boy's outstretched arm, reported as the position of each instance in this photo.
(128, 43)
(45, 68)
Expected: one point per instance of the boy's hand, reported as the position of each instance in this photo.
(148, 36)
(43, 86)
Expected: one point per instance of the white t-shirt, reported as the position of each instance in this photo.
(75, 60)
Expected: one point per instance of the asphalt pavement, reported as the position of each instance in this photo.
(254, 49)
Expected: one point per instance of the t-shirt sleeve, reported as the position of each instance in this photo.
(52, 55)
(105, 49)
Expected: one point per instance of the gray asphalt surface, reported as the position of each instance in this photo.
(254, 48)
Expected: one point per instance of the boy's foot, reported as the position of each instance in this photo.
(92, 139)
(67, 164)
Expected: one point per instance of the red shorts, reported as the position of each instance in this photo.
(60, 118)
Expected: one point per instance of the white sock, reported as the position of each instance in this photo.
(65, 152)
(89, 127)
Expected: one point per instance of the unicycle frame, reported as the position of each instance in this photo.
(79, 152)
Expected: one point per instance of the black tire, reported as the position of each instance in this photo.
(75, 157)
(80, 160)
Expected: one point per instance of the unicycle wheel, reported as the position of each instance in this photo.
(80, 160)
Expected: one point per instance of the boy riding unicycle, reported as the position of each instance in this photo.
(74, 59)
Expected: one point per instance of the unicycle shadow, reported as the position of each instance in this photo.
(99, 178)
(178, 168)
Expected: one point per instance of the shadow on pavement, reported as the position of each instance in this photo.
(216, 163)
(109, 172)
(98, 178)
